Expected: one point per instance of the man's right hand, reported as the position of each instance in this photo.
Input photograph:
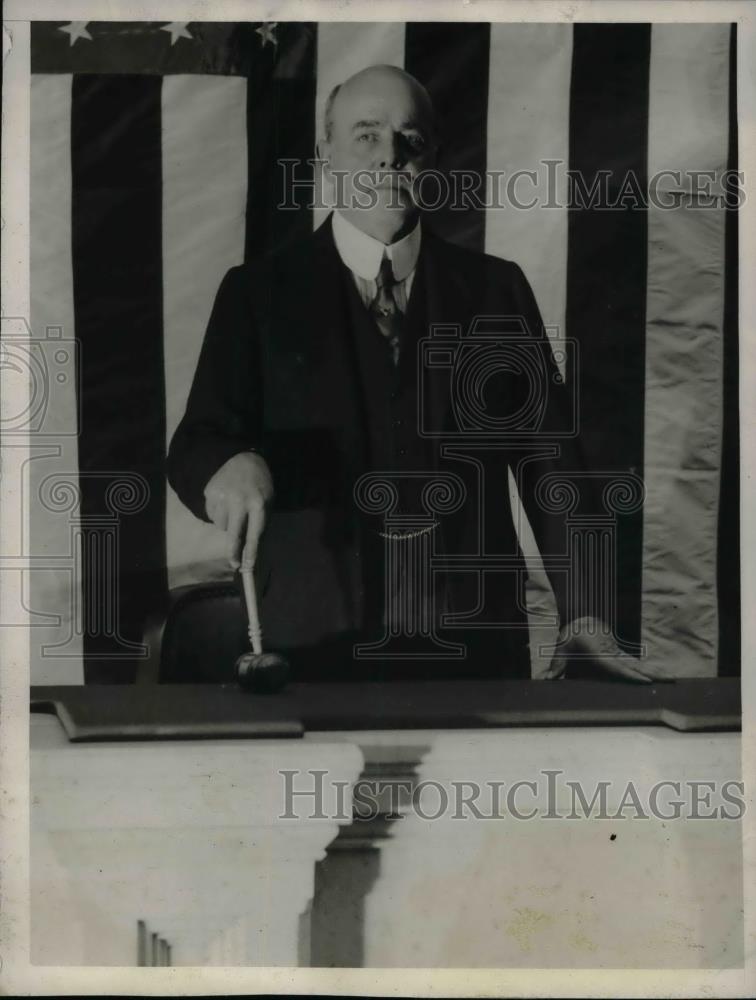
(236, 498)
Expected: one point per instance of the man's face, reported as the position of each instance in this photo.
(381, 137)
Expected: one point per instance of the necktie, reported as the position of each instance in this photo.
(384, 309)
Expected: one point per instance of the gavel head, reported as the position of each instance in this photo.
(263, 673)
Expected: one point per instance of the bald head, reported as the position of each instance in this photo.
(380, 135)
(390, 81)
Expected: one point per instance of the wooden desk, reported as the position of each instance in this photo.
(157, 813)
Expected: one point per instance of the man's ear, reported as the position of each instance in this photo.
(323, 152)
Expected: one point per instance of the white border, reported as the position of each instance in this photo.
(18, 977)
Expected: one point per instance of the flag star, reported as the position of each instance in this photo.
(266, 31)
(178, 29)
(76, 30)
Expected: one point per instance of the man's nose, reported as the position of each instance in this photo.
(394, 153)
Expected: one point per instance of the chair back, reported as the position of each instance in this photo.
(199, 638)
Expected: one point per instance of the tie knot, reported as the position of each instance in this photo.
(385, 277)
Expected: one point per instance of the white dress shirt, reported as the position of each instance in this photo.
(363, 254)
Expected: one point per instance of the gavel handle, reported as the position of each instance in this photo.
(250, 596)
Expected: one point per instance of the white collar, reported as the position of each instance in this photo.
(363, 254)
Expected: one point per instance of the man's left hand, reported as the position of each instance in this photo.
(589, 640)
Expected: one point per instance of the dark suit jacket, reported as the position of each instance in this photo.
(277, 373)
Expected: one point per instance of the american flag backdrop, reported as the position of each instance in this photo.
(166, 136)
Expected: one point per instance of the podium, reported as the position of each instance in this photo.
(150, 817)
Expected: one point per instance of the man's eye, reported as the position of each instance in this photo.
(416, 141)
(367, 137)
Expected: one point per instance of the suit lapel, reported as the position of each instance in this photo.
(341, 383)
(450, 297)
(317, 326)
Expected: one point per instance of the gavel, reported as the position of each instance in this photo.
(263, 673)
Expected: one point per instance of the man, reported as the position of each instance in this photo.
(308, 379)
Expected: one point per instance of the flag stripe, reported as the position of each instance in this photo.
(204, 199)
(728, 538)
(280, 125)
(606, 283)
(344, 48)
(118, 299)
(528, 123)
(685, 304)
(451, 60)
(56, 650)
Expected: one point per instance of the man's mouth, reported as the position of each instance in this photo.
(388, 182)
